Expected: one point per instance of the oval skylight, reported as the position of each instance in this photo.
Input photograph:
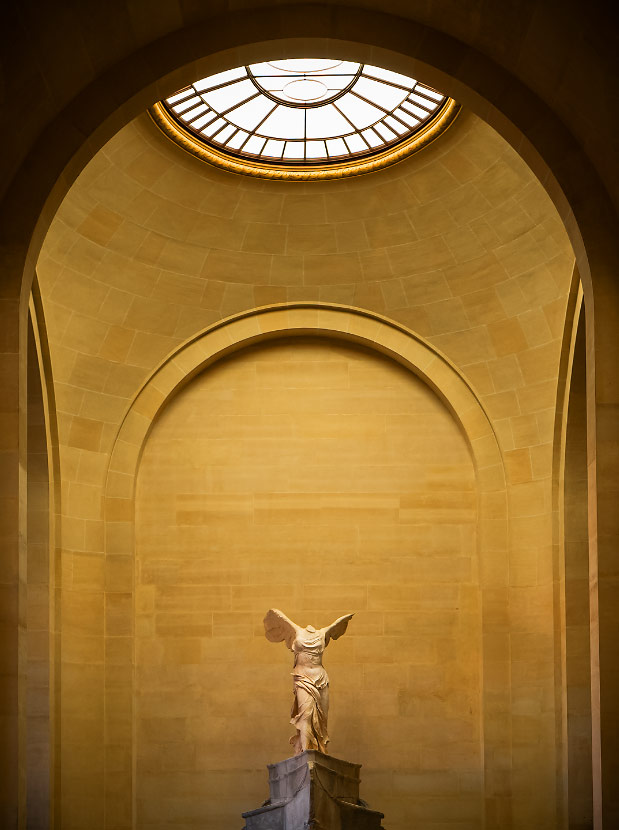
(304, 113)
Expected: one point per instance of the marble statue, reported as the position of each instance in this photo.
(310, 680)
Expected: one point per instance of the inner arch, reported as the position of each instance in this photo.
(319, 477)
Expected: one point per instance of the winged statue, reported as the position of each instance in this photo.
(310, 707)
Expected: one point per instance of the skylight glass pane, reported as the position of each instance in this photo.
(410, 107)
(428, 105)
(266, 69)
(305, 66)
(284, 122)
(180, 96)
(359, 112)
(349, 67)
(336, 147)
(385, 132)
(274, 83)
(388, 75)
(372, 138)
(227, 96)
(297, 65)
(406, 117)
(194, 113)
(249, 115)
(213, 127)
(297, 89)
(395, 125)
(431, 92)
(335, 83)
(294, 150)
(237, 140)
(315, 150)
(225, 134)
(387, 96)
(220, 78)
(254, 145)
(325, 122)
(273, 148)
(304, 91)
(355, 143)
(204, 119)
(190, 102)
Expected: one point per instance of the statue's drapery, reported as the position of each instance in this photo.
(310, 707)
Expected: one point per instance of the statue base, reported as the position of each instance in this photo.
(313, 791)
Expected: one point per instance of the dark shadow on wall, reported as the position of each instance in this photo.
(576, 548)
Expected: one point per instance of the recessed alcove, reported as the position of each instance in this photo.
(321, 477)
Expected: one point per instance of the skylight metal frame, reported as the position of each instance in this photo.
(189, 119)
(303, 75)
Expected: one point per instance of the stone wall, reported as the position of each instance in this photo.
(522, 71)
(460, 243)
(318, 478)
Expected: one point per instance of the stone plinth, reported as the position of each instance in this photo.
(313, 791)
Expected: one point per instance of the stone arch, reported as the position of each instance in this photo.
(38, 572)
(269, 322)
(574, 580)
(401, 345)
(559, 161)
(463, 72)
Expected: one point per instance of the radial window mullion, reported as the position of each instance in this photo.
(260, 123)
(230, 137)
(197, 112)
(186, 105)
(397, 118)
(220, 86)
(366, 74)
(429, 93)
(233, 144)
(239, 104)
(371, 103)
(245, 142)
(254, 131)
(361, 137)
(223, 127)
(181, 95)
(409, 106)
(421, 106)
(346, 118)
(421, 93)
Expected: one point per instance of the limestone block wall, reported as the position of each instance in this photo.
(320, 478)
(459, 243)
(527, 42)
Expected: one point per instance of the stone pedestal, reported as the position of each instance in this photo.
(313, 791)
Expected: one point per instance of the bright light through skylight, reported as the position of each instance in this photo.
(309, 110)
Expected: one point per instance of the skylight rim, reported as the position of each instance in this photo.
(297, 156)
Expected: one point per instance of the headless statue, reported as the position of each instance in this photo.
(310, 680)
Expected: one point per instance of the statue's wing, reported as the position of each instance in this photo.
(278, 627)
(336, 629)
